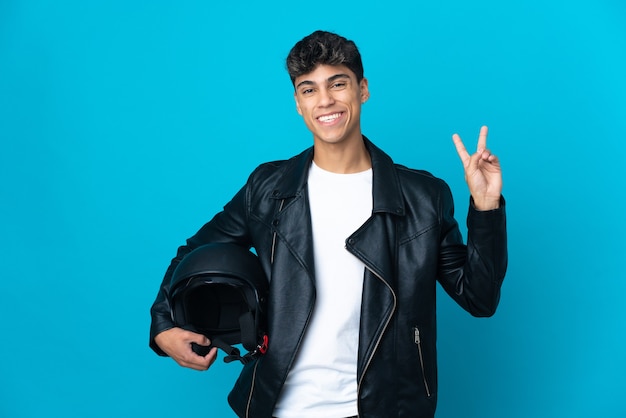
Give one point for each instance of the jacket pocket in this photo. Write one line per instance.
(417, 339)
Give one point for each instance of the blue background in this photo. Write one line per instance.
(125, 125)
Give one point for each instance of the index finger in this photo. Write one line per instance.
(482, 138)
(460, 148)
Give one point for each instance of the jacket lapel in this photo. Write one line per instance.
(292, 223)
(373, 245)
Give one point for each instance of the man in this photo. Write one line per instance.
(353, 245)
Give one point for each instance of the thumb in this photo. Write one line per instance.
(200, 339)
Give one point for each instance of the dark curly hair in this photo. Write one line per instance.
(325, 48)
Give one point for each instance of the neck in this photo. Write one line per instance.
(342, 158)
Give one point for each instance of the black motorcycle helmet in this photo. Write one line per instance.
(220, 290)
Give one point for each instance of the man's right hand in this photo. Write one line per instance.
(176, 343)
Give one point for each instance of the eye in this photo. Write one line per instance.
(339, 85)
(306, 92)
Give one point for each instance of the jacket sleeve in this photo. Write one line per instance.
(229, 225)
(472, 274)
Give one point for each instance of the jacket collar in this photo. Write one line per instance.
(387, 196)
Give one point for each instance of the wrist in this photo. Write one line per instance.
(486, 203)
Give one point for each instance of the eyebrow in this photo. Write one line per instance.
(329, 80)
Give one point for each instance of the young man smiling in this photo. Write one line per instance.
(353, 246)
(329, 99)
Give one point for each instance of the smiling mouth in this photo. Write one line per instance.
(329, 118)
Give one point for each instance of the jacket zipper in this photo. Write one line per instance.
(280, 208)
(369, 360)
(251, 390)
(418, 342)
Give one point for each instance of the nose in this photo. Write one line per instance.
(325, 98)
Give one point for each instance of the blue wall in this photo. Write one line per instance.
(125, 125)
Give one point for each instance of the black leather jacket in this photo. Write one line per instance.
(410, 242)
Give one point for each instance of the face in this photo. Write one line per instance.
(329, 100)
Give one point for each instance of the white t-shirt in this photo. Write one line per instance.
(322, 382)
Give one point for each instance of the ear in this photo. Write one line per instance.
(295, 96)
(365, 92)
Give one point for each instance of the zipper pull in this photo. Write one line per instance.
(416, 335)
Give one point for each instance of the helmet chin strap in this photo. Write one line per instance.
(249, 340)
(233, 353)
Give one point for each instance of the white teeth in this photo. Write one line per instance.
(329, 118)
